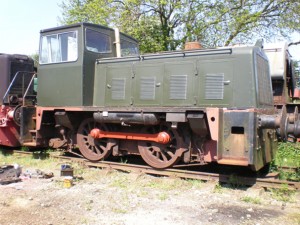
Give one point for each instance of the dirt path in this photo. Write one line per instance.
(118, 198)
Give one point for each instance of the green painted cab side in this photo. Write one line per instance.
(61, 83)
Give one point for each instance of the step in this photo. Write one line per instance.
(30, 96)
(30, 144)
(232, 161)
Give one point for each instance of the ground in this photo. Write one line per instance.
(111, 197)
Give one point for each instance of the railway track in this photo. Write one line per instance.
(268, 181)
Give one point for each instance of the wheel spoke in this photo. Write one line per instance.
(159, 155)
(171, 154)
(102, 148)
(164, 157)
(97, 150)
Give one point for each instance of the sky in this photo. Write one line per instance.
(22, 20)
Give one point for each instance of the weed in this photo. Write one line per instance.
(24, 149)
(218, 188)
(166, 184)
(195, 183)
(163, 196)
(286, 175)
(84, 221)
(89, 174)
(234, 181)
(119, 210)
(88, 205)
(142, 193)
(120, 182)
(249, 199)
(283, 194)
(288, 154)
(123, 160)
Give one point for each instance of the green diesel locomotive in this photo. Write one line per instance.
(96, 93)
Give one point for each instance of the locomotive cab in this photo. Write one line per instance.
(67, 61)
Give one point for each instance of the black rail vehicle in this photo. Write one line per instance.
(96, 93)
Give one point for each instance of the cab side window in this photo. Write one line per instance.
(58, 48)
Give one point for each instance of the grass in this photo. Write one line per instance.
(120, 181)
(163, 196)
(42, 161)
(283, 194)
(253, 200)
(119, 210)
(165, 184)
(195, 183)
(28, 161)
(288, 155)
(218, 188)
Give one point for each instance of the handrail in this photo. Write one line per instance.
(12, 82)
(24, 96)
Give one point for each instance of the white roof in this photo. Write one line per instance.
(277, 54)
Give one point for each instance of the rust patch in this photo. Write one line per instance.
(235, 144)
(40, 110)
(213, 122)
(210, 151)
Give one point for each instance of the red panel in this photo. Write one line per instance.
(297, 93)
(9, 136)
(9, 131)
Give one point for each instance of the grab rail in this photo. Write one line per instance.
(25, 94)
(13, 81)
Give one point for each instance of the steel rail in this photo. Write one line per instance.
(267, 182)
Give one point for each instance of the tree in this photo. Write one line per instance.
(162, 25)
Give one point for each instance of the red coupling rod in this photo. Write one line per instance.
(161, 137)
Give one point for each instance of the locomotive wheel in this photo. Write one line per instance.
(17, 115)
(90, 148)
(158, 155)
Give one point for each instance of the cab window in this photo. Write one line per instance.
(128, 48)
(56, 48)
(97, 42)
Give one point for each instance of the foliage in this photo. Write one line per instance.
(162, 25)
(289, 175)
(288, 154)
(35, 58)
